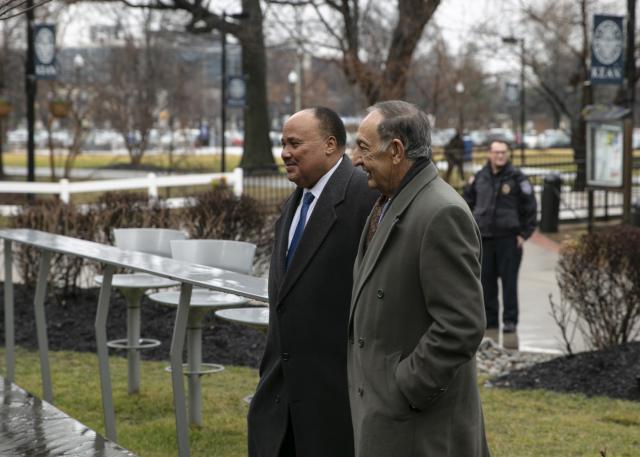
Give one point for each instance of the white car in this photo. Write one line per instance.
(104, 140)
(554, 138)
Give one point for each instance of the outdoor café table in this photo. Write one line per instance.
(187, 274)
(133, 286)
(256, 317)
(253, 317)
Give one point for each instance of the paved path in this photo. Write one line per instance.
(537, 330)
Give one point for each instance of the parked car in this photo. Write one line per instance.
(502, 134)
(18, 138)
(234, 137)
(276, 138)
(531, 140)
(636, 138)
(104, 140)
(479, 137)
(181, 138)
(440, 137)
(554, 138)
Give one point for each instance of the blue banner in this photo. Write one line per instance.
(236, 89)
(607, 50)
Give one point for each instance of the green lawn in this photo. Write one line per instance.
(519, 423)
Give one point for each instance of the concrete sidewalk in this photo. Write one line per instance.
(537, 330)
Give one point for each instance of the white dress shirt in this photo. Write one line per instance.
(316, 190)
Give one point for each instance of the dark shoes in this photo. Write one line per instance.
(508, 327)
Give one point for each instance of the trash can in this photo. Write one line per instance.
(550, 204)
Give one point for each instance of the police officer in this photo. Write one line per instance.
(504, 206)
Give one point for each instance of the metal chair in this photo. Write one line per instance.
(133, 286)
(235, 256)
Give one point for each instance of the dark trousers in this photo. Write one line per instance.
(500, 259)
(451, 164)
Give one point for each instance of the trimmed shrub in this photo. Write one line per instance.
(128, 210)
(53, 216)
(219, 214)
(599, 279)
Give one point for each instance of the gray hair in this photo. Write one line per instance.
(406, 122)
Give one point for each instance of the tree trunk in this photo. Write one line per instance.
(257, 145)
(1, 148)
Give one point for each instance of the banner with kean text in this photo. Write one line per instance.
(607, 49)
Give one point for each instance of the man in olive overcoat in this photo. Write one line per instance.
(417, 315)
(301, 406)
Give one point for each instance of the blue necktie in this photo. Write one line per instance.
(297, 234)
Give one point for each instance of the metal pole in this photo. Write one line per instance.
(522, 103)
(629, 121)
(177, 381)
(223, 94)
(9, 334)
(30, 87)
(106, 391)
(41, 325)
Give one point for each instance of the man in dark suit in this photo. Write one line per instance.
(301, 406)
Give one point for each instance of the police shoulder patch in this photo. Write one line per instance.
(525, 187)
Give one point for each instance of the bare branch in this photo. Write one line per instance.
(327, 26)
(35, 5)
(548, 27)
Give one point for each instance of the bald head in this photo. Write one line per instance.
(311, 145)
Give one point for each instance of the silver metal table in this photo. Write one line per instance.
(257, 318)
(133, 286)
(188, 275)
(253, 317)
(202, 301)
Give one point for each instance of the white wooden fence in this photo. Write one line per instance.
(64, 188)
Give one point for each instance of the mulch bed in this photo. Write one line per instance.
(71, 327)
(612, 373)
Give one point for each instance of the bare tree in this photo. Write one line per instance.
(9, 66)
(563, 28)
(130, 99)
(248, 31)
(375, 53)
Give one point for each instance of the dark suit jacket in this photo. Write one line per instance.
(303, 370)
(417, 318)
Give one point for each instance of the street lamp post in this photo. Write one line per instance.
(78, 64)
(295, 99)
(223, 83)
(30, 87)
(460, 91)
(514, 40)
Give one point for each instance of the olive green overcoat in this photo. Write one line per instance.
(416, 320)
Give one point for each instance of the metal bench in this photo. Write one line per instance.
(33, 427)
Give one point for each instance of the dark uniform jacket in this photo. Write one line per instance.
(503, 204)
(417, 318)
(303, 370)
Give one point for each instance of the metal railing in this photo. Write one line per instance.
(538, 164)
